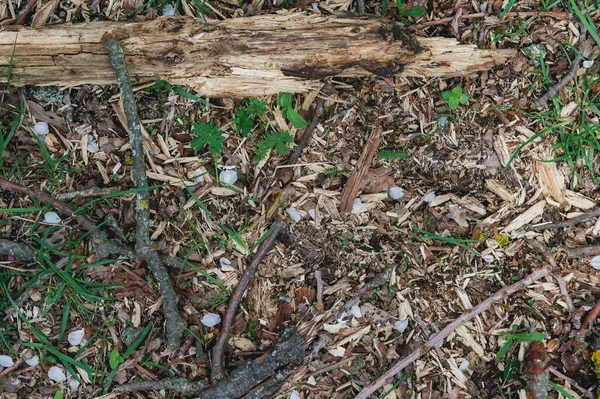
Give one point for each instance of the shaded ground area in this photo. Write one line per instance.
(477, 174)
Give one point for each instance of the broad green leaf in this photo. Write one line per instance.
(285, 100)
(529, 336)
(295, 118)
(414, 12)
(464, 98)
(504, 350)
(114, 359)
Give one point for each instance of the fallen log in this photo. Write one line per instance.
(239, 57)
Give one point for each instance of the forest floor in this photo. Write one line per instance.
(448, 214)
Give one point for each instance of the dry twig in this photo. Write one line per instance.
(567, 223)
(443, 21)
(439, 338)
(174, 323)
(587, 322)
(218, 371)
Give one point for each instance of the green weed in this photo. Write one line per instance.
(277, 141)
(455, 97)
(513, 336)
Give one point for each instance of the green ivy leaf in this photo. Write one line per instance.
(277, 141)
(207, 134)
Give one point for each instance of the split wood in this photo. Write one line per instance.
(450, 328)
(352, 186)
(238, 57)
(443, 21)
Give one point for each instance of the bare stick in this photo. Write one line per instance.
(443, 21)
(90, 192)
(590, 318)
(319, 278)
(581, 252)
(571, 381)
(285, 174)
(218, 372)
(568, 222)
(17, 250)
(23, 16)
(450, 328)
(352, 186)
(174, 323)
(241, 380)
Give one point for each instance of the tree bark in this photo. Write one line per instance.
(241, 57)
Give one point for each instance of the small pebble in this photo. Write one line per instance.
(76, 336)
(357, 205)
(211, 319)
(51, 218)
(396, 193)
(401, 325)
(56, 374)
(41, 128)
(294, 214)
(228, 176)
(168, 11)
(429, 197)
(6, 361)
(595, 262)
(33, 361)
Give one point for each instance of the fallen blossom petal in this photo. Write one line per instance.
(356, 312)
(168, 11)
(595, 262)
(76, 336)
(396, 193)
(52, 218)
(199, 176)
(357, 205)
(56, 374)
(587, 64)
(225, 265)
(211, 319)
(294, 214)
(73, 383)
(228, 176)
(488, 258)
(93, 147)
(33, 361)
(6, 361)
(464, 366)
(41, 128)
(429, 197)
(312, 214)
(294, 395)
(401, 325)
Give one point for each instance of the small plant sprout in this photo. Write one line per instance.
(455, 97)
(277, 141)
(207, 134)
(404, 12)
(520, 337)
(285, 103)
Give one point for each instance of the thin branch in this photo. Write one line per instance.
(182, 385)
(568, 222)
(581, 252)
(174, 323)
(218, 372)
(443, 21)
(23, 16)
(590, 318)
(571, 381)
(17, 250)
(90, 192)
(450, 328)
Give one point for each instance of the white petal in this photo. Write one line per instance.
(488, 258)
(41, 128)
(587, 64)
(168, 11)
(76, 336)
(401, 325)
(56, 374)
(73, 383)
(294, 395)
(6, 361)
(464, 366)
(595, 262)
(199, 176)
(357, 205)
(356, 312)
(226, 265)
(33, 360)
(294, 214)
(396, 193)
(429, 197)
(93, 147)
(52, 218)
(228, 176)
(312, 214)
(211, 319)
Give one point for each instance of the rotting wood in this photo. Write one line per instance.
(352, 186)
(239, 57)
